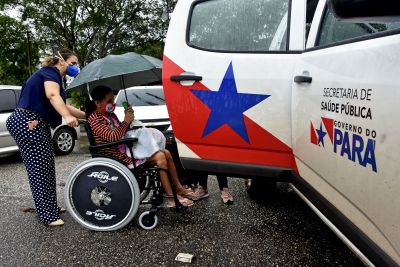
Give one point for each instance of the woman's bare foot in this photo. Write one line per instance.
(183, 200)
(187, 193)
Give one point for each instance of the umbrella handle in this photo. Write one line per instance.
(126, 105)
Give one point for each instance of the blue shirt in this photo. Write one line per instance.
(33, 96)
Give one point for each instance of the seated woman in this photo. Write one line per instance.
(107, 128)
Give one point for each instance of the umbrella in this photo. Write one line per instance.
(118, 72)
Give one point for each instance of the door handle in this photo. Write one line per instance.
(302, 79)
(180, 78)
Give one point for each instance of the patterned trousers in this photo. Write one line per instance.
(37, 153)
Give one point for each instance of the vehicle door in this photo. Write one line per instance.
(227, 71)
(345, 127)
(7, 105)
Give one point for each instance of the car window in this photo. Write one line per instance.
(310, 12)
(7, 100)
(238, 26)
(142, 97)
(17, 95)
(334, 31)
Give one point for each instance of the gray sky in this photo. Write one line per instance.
(11, 13)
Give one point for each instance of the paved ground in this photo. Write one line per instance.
(283, 232)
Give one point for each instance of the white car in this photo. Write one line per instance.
(64, 137)
(148, 103)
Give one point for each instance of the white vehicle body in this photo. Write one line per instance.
(324, 108)
(152, 112)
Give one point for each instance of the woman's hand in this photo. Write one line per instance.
(76, 112)
(71, 121)
(129, 115)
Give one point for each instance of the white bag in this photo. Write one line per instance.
(150, 141)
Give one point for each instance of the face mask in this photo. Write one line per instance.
(108, 107)
(72, 70)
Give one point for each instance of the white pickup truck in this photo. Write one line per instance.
(283, 89)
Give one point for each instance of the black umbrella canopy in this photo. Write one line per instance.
(118, 72)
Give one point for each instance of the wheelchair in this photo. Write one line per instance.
(102, 194)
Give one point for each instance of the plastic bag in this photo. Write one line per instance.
(150, 141)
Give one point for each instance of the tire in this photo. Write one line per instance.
(148, 221)
(63, 142)
(260, 188)
(102, 194)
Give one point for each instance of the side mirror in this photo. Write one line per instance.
(365, 10)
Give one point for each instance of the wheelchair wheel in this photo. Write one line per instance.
(147, 220)
(102, 194)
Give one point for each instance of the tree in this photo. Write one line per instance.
(14, 66)
(93, 28)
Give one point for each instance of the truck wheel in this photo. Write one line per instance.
(260, 188)
(63, 141)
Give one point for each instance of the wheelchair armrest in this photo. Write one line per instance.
(128, 141)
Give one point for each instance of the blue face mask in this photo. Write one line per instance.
(72, 70)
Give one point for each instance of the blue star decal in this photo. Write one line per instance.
(321, 135)
(227, 105)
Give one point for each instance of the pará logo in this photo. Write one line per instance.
(349, 141)
(103, 177)
(100, 215)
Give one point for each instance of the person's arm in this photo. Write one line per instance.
(52, 90)
(76, 112)
(100, 128)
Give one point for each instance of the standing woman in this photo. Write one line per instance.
(42, 105)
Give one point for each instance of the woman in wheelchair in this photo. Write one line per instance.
(107, 128)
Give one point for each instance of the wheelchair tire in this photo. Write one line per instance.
(147, 220)
(102, 194)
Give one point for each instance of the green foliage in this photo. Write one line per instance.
(91, 28)
(78, 99)
(14, 52)
(94, 28)
(151, 48)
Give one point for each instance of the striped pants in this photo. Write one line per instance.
(37, 153)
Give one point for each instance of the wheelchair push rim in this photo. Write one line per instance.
(102, 194)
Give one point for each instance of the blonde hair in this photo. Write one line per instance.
(53, 60)
(49, 61)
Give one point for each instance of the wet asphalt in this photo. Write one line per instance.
(281, 231)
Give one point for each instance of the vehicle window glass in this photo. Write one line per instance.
(7, 101)
(239, 26)
(334, 31)
(142, 97)
(17, 94)
(311, 8)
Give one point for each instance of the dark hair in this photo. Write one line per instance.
(99, 93)
(53, 60)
